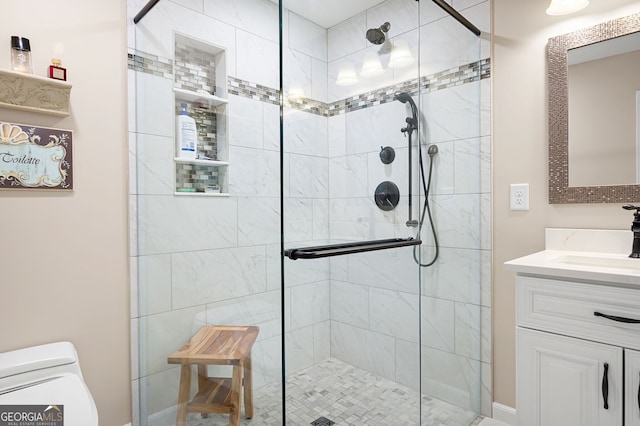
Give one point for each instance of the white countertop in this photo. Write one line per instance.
(581, 265)
(583, 254)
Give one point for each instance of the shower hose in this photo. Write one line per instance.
(426, 209)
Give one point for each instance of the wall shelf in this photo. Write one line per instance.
(200, 97)
(27, 92)
(203, 194)
(199, 70)
(201, 162)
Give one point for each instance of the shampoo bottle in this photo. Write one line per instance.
(186, 135)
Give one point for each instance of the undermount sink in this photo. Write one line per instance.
(601, 261)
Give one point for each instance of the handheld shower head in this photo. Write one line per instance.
(404, 97)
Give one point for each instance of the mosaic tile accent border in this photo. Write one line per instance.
(150, 64)
(559, 190)
(374, 97)
(463, 74)
(253, 91)
(308, 105)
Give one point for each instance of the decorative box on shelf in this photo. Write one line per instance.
(27, 92)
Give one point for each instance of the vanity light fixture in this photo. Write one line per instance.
(401, 54)
(296, 93)
(401, 57)
(371, 66)
(564, 7)
(347, 75)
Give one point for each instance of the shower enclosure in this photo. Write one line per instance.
(341, 145)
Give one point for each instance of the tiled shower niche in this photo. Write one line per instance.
(200, 81)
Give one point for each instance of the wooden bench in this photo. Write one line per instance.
(216, 345)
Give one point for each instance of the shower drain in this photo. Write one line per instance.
(322, 421)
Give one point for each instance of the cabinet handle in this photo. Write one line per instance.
(639, 396)
(605, 386)
(618, 319)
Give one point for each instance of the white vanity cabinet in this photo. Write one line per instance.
(560, 379)
(632, 388)
(575, 367)
(578, 330)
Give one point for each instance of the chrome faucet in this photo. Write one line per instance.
(635, 228)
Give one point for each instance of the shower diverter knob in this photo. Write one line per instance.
(387, 154)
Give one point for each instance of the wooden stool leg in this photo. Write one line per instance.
(202, 382)
(236, 388)
(183, 394)
(248, 387)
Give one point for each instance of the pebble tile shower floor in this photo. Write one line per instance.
(345, 395)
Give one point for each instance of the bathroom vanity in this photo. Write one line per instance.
(578, 331)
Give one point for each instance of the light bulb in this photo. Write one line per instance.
(296, 93)
(347, 75)
(371, 66)
(401, 54)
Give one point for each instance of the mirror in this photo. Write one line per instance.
(604, 88)
(587, 69)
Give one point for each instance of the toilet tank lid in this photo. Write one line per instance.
(37, 358)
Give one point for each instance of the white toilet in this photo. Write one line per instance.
(47, 375)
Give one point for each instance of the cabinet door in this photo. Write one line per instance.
(632, 387)
(561, 381)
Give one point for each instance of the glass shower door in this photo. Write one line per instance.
(352, 316)
(455, 290)
(205, 231)
(323, 150)
(381, 112)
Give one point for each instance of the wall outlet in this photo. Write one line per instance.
(519, 196)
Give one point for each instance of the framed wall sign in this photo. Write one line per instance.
(35, 157)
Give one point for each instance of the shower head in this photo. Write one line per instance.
(432, 150)
(378, 35)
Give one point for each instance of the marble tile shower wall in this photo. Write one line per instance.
(202, 260)
(375, 297)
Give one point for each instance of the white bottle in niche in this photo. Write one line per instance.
(186, 135)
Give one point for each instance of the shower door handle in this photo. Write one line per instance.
(329, 250)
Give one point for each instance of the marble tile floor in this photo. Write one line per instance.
(345, 395)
